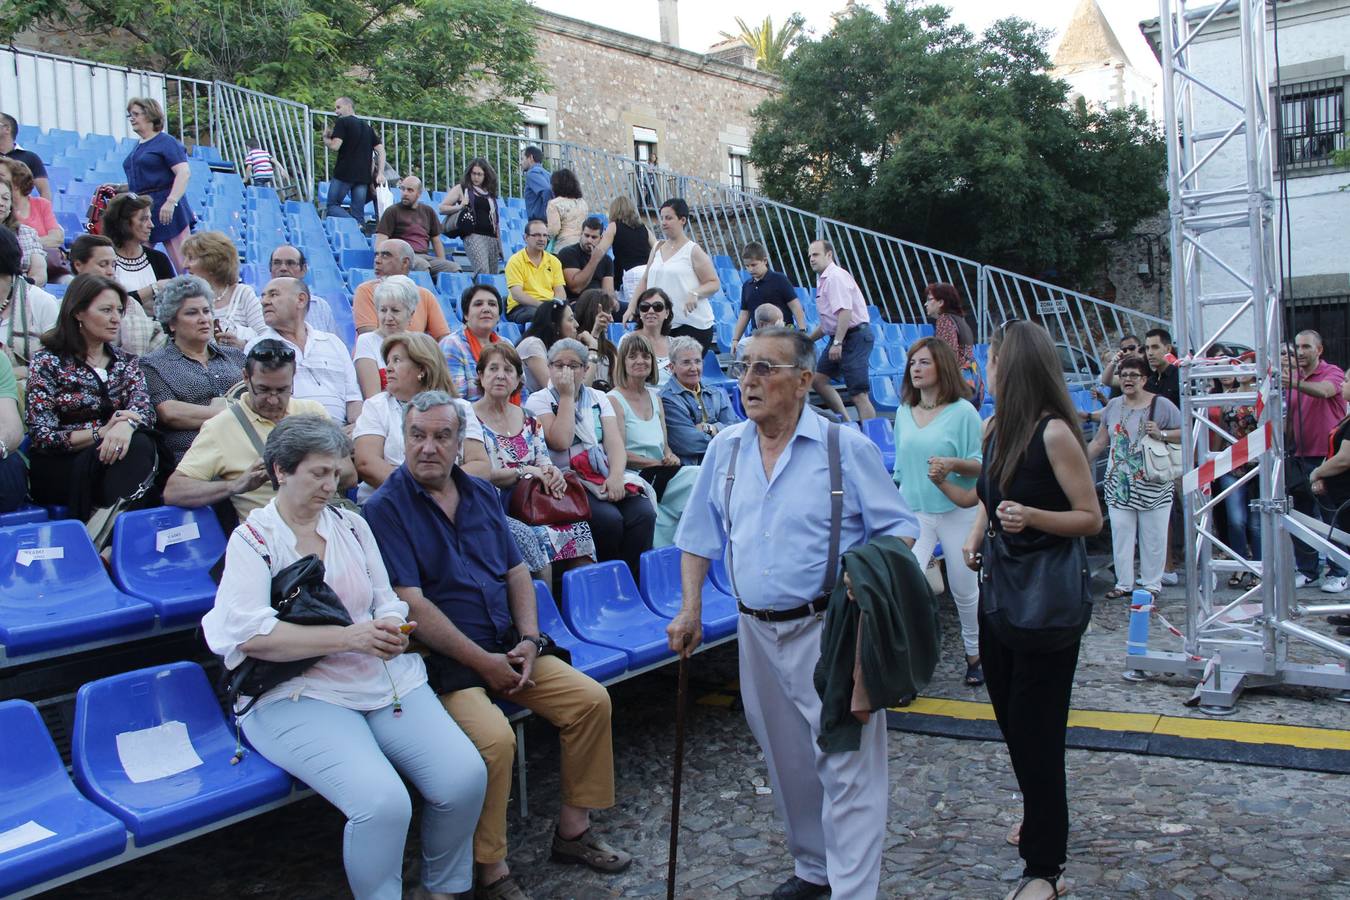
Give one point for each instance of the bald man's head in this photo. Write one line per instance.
(410, 191)
(393, 257)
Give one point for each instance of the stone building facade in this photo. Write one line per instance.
(647, 100)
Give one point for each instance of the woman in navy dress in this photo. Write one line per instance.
(158, 169)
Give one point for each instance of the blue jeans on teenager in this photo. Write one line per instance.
(1244, 526)
(338, 191)
(353, 758)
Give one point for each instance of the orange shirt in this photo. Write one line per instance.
(428, 316)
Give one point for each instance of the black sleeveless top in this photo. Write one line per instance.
(482, 214)
(1033, 484)
(631, 249)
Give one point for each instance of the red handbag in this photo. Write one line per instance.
(533, 505)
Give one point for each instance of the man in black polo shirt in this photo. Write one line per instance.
(585, 264)
(1163, 378)
(9, 135)
(765, 286)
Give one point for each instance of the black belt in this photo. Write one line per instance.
(854, 328)
(786, 615)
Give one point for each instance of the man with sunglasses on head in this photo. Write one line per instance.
(1130, 345)
(533, 275)
(225, 460)
(765, 504)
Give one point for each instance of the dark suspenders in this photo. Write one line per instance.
(836, 508)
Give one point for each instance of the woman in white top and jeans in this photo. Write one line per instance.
(363, 713)
(680, 268)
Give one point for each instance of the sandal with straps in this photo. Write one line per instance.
(1058, 887)
(1117, 593)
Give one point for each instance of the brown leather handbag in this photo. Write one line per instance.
(533, 505)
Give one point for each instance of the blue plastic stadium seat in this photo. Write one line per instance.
(497, 280)
(723, 262)
(880, 362)
(724, 332)
(601, 663)
(602, 605)
(882, 433)
(616, 332)
(911, 332)
(54, 591)
(509, 330)
(515, 203)
(23, 515)
(421, 279)
(175, 579)
(883, 393)
(712, 371)
(733, 390)
(453, 284)
(356, 259)
(35, 790)
(162, 807)
(720, 579)
(661, 589)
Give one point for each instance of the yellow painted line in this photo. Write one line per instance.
(1150, 723)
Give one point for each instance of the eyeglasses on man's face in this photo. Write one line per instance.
(575, 367)
(758, 368)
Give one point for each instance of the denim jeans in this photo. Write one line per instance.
(338, 191)
(1244, 526)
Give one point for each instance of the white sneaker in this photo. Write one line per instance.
(1301, 580)
(1170, 578)
(1333, 584)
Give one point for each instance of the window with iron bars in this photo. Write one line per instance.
(736, 169)
(1312, 123)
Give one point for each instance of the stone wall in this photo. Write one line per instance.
(606, 83)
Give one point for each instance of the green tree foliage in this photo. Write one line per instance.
(456, 62)
(906, 123)
(771, 45)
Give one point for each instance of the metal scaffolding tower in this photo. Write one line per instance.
(1226, 280)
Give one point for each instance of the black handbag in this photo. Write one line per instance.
(301, 597)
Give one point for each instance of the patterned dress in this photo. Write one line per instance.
(542, 543)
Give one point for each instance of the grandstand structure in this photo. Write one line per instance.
(88, 655)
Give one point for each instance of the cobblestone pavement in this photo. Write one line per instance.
(1141, 826)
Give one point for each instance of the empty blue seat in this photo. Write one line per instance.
(601, 663)
(164, 556)
(616, 332)
(712, 372)
(421, 279)
(663, 593)
(733, 390)
(509, 330)
(23, 515)
(453, 284)
(177, 745)
(882, 433)
(883, 394)
(68, 832)
(724, 331)
(880, 362)
(499, 281)
(356, 259)
(911, 332)
(54, 591)
(602, 605)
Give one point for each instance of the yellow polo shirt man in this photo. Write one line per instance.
(223, 451)
(542, 282)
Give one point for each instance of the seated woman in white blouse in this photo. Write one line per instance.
(395, 301)
(413, 364)
(363, 713)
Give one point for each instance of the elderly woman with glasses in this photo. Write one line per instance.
(396, 300)
(157, 168)
(695, 412)
(362, 717)
(1138, 508)
(189, 377)
(583, 435)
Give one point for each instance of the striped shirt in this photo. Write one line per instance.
(259, 162)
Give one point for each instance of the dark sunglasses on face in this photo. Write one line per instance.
(652, 306)
(1130, 348)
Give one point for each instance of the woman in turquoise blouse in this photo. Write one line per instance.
(937, 438)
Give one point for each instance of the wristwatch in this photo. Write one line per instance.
(540, 641)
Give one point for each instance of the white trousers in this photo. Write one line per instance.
(833, 804)
(951, 530)
(1147, 528)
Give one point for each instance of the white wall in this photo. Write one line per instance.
(53, 92)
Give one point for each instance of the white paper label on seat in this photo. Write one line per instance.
(157, 752)
(180, 535)
(29, 555)
(29, 832)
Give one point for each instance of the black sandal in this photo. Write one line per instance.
(974, 674)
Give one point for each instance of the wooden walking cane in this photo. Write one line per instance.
(679, 769)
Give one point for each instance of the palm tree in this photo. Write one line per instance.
(771, 47)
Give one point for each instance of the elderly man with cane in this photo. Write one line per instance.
(772, 497)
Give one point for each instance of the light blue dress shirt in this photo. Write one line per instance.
(781, 525)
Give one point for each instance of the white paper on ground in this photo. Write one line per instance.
(29, 555)
(157, 752)
(180, 535)
(29, 832)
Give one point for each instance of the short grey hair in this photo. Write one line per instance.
(402, 247)
(568, 345)
(178, 291)
(400, 288)
(681, 343)
(298, 436)
(432, 400)
(803, 349)
(767, 314)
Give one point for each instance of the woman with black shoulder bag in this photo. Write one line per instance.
(1034, 596)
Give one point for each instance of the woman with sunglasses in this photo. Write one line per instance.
(654, 314)
(1138, 508)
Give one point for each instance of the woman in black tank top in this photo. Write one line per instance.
(1038, 486)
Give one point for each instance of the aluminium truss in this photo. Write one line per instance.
(1225, 280)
